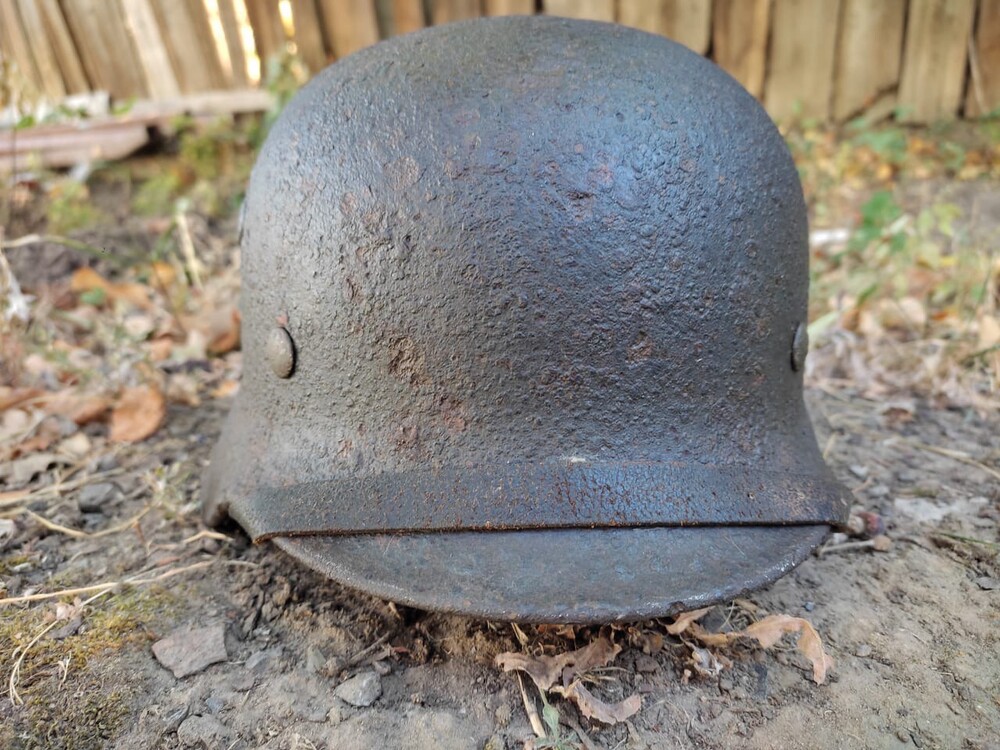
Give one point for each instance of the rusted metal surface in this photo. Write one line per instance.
(543, 277)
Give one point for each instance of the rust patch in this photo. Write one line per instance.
(640, 350)
(406, 362)
(402, 173)
(453, 413)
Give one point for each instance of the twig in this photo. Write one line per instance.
(573, 724)
(15, 672)
(529, 708)
(37, 239)
(365, 652)
(77, 534)
(107, 585)
(206, 534)
(967, 539)
(187, 248)
(954, 455)
(57, 487)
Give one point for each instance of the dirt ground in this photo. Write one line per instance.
(912, 630)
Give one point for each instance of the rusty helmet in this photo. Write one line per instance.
(524, 306)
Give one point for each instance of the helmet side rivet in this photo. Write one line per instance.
(800, 347)
(281, 352)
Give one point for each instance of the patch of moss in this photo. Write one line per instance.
(67, 703)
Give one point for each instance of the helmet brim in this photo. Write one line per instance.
(562, 575)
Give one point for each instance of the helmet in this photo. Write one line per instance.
(523, 306)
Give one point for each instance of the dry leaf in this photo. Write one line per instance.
(684, 620)
(594, 708)
(138, 414)
(228, 338)
(14, 396)
(82, 409)
(545, 671)
(86, 279)
(769, 631)
(226, 388)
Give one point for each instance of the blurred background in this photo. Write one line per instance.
(917, 60)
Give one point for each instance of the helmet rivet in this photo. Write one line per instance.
(800, 347)
(281, 352)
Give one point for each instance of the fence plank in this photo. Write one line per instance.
(739, 40)
(268, 32)
(190, 44)
(46, 64)
(16, 48)
(509, 7)
(309, 34)
(234, 44)
(800, 67)
(349, 25)
(445, 11)
(868, 56)
(936, 50)
(151, 49)
(983, 94)
(68, 58)
(106, 48)
(686, 21)
(400, 16)
(595, 10)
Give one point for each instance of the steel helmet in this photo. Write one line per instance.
(524, 306)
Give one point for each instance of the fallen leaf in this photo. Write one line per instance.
(138, 414)
(545, 671)
(81, 408)
(12, 497)
(86, 279)
(684, 620)
(226, 388)
(183, 389)
(227, 339)
(769, 631)
(10, 397)
(594, 708)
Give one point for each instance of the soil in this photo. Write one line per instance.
(912, 631)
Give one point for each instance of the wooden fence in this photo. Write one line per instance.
(922, 60)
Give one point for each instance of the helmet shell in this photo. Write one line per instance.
(526, 283)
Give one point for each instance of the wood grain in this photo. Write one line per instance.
(349, 25)
(151, 49)
(739, 40)
(936, 51)
(983, 91)
(869, 52)
(107, 49)
(594, 10)
(801, 61)
(686, 21)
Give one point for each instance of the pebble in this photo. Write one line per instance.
(726, 685)
(986, 583)
(315, 659)
(187, 652)
(863, 651)
(94, 497)
(204, 732)
(362, 690)
(264, 661)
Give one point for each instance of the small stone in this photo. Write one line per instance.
(646, 664)
(863, 651)
(495, 742)
(187, 652)
(203, 732)
(987, 583)
(315, 659)
(809, 606)
(335, 715)
(861, 472)
(903, 736)
(361, 690)
(173, 718)
(94, 497)
(726, 685)
(264, 661)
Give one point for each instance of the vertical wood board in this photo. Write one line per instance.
(46, 64)
(234, 44)
(106, 47)
(869, 52)
(740, 30)
(349, 25)
(983, 95)
(936, 51)
(801, 60)
(593, 10)
(152, 51)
